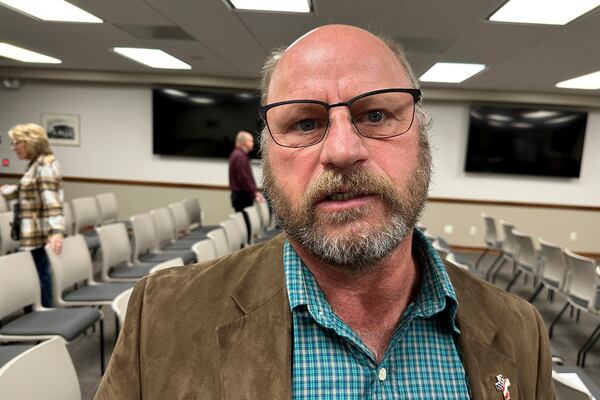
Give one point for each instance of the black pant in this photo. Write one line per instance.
(42, 265)
(239, 201)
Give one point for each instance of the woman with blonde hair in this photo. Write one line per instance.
(39, 200)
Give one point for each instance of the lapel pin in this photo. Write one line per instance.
(502, 385)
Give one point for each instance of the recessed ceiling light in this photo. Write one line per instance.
(52, 10)
(295, 6)
(152, 57)
(20, 54)
(556, 12)
(589, 82)
(451, 72)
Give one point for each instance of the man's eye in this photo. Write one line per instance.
(375, 116)
(306, 125)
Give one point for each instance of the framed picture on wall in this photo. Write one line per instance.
(63, 129)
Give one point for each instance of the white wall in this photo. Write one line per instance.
(116, 142)
(116, 133)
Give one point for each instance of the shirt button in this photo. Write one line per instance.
(382, 374)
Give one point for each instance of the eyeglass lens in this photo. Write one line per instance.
(378, 116)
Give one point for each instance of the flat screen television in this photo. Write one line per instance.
(525, 140)
(203, 122)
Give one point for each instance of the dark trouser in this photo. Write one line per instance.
(43, 268)
(239, 201)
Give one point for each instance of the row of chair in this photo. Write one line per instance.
(574, 277)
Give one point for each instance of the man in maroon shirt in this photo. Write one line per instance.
(241, 180)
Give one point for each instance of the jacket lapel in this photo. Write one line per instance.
(255, 349)
(484, 358)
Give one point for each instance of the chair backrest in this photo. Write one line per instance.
(7, 244)
(264, 213)
(582, 281)
(115, 245)
(554, 265)
(68, 213)
(508, 245)
(524, 251)
(19, 283)
(3, 204)
(255, 225)
(204, 250)
(85, 213)
(145, 239)
(490, 236)
(43, 372)
(108, 207)
(173, 262)
(73, 265)
(566, 389)
(165, 228)
(180, 217)
(233, 236)
(220, 241)
(194, 212)
(238, 218)
(119, 305)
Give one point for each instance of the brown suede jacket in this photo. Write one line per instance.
(223, 330)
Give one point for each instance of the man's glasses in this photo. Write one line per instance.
(379, 114)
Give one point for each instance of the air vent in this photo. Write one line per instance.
(156, 32)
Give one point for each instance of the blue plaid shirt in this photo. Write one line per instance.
(330, 361)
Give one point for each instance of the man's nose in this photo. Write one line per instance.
(343, 146)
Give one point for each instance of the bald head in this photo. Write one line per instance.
(336, 41)
(244, 141)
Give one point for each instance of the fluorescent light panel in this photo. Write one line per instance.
(20, 54)
(152, 57)
(52, 10)
(451, 72)
(589, 82)
(295, 6)
(555, 12)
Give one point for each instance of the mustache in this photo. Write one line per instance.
(357, 181)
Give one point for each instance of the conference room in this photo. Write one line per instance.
(141, 102)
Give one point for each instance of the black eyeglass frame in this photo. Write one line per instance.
(415, 93)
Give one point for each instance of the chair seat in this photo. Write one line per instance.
(65, 322)
(205, 228)
(91, 240)
(10, 351)
(188, 257)
(584, 303)
(179, 245)
(101, 292)
(134, 271)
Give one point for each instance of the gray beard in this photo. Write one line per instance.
(369, 242)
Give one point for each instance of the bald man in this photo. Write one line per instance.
(241, 180)
(351, 302)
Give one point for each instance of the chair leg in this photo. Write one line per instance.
(557, 319)
(587, 346)
(490, 270)
(481, 257)
(498, 268)
(535, 293)
(513, 280)
(101, 347)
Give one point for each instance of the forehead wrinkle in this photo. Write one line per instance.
(337, 55)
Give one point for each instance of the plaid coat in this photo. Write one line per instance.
(41, 201)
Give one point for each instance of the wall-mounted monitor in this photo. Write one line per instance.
(203, 122)
(525, 140)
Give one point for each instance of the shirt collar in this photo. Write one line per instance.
(435, 296)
